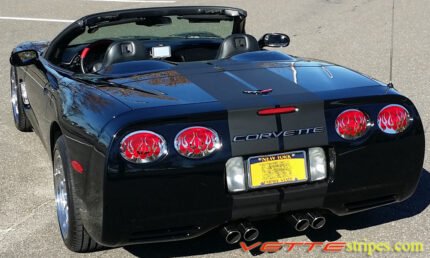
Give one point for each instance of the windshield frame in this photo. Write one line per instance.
(182, 27)
(58, 44)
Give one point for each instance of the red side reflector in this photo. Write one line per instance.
(77, 167)
(275, 111)
(84, 52)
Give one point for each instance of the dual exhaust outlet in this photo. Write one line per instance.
(302, 221)
(233, 233)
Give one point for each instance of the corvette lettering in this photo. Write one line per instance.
(271, 135)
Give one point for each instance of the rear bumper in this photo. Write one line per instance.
(126, 223)
(177, 205)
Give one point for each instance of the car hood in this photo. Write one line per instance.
(237, 84)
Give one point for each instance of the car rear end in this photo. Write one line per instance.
(178, 197)
(177, 171)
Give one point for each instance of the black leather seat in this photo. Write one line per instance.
(124, 51)
(237, 44)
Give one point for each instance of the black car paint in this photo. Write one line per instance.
(125, 203)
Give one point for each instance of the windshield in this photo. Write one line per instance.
(160, 27)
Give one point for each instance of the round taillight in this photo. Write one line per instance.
(143, 147)
(197, 142)
(393, 119)
(352, 124)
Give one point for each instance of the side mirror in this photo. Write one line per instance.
(23, 58)
(274, 40)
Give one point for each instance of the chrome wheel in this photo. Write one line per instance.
(14, 94)
(61, 200)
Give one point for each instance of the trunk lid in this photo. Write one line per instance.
(305, 85)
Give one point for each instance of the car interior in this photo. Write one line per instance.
(101, 54)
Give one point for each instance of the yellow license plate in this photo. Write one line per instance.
(277, 169)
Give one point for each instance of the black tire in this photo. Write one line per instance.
(75, 236)
(18, 109)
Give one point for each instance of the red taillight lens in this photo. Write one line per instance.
(393, 119)
(351, 124)
(143, 147)
(197, 142)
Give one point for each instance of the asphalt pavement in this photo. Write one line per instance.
(355, 33)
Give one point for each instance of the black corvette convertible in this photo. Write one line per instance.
(166, 123)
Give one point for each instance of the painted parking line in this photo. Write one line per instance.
(137, 1)
(34, 19)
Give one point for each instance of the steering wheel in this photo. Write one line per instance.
(93, 54)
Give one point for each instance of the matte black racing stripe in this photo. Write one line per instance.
(261, 78)
(251, 87)
(279, 126)
(285, 93)
(311, 107)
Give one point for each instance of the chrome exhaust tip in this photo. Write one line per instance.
(317, 220)
(249, 232)
(299, 221)
(231, 234)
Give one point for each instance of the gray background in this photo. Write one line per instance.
(353, 33)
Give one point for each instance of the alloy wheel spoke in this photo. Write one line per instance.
(61, 195)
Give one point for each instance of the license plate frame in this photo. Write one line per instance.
(249, 173)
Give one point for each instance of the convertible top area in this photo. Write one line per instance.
(59, 43)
